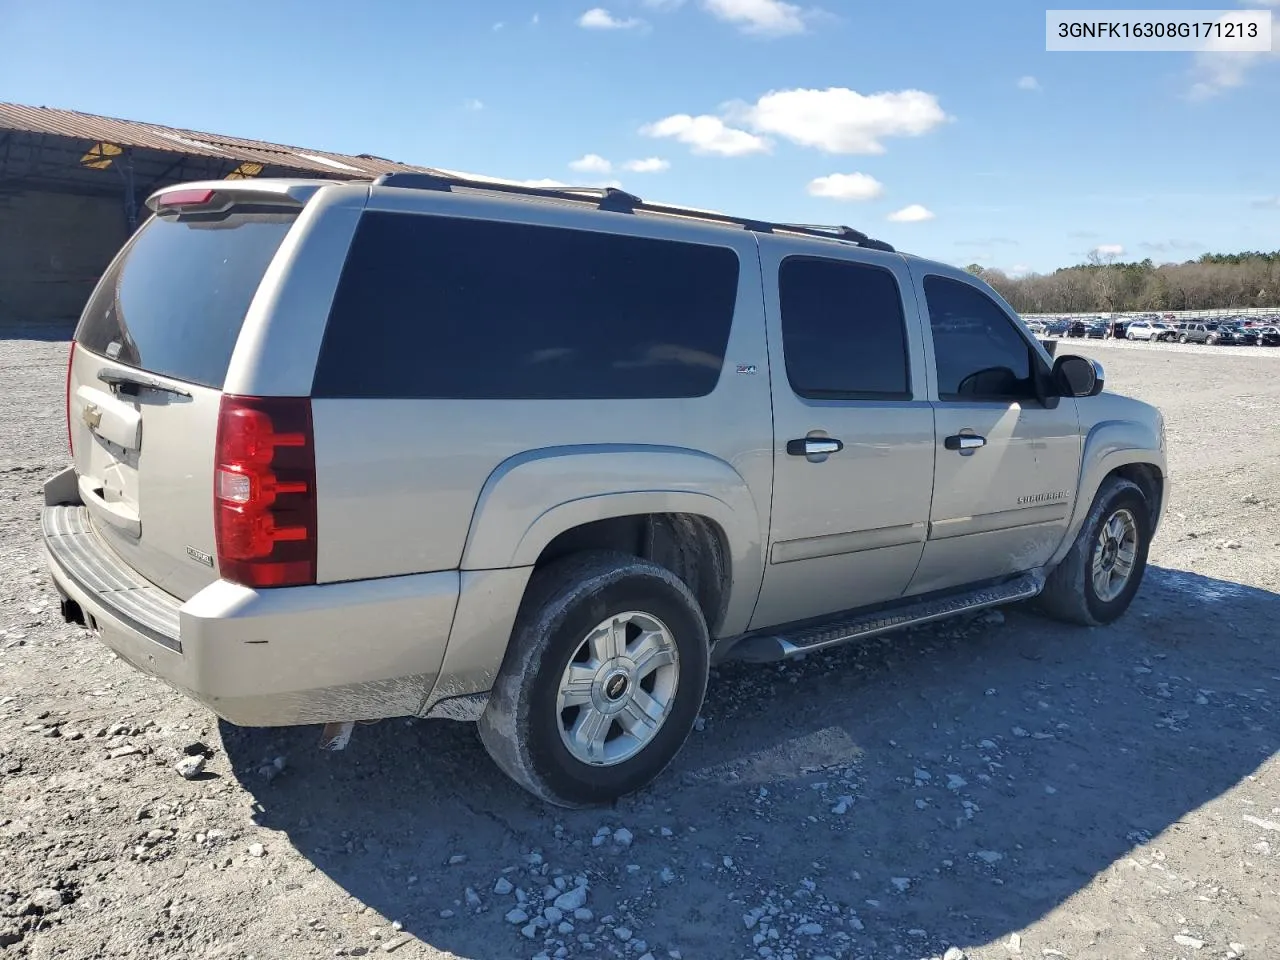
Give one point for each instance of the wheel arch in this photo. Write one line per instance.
(1128, 448)
(684, 509)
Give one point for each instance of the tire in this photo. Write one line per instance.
(567, 602)
(1071, 592)
(1129, 336)
(1183, 338)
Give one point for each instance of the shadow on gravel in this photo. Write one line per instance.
(997, 767)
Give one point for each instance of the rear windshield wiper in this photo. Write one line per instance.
(122, 378)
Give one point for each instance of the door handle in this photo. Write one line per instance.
(964, 441)
(814, 446)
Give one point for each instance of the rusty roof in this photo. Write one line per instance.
(152, 136)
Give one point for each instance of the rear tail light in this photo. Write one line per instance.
(71, 356)
(264, 491)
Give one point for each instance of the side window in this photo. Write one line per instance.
(843, 331)
(442, 307)
(978, 352)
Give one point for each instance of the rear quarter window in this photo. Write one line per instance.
(440, 307)
(173, 303)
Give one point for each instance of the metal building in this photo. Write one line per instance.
(72, 188)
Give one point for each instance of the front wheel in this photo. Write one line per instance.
(1099, 577)
(602, 681)
(1183, 338)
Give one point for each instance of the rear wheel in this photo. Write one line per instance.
(602, 681)
(1099, 577)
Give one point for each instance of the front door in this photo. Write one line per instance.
(853, 431)
(1008, 462)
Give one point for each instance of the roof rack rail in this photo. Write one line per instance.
(619, 201)
(610, 198)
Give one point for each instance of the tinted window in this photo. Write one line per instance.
(979, 354)
(440, 307)
(174, 304)
(842, 330)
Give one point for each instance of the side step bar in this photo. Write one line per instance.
(779, 644)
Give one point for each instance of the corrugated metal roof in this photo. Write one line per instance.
(151, 136)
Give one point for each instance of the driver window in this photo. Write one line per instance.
(978, 352)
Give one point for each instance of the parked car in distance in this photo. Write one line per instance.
(1098, 330)
(1077, 328)
(1115, 329)
(1193, 333)
(1226, 335)
(1152, 330)
(546, 484)
(1268, 336)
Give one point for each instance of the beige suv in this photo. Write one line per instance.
(428, 446)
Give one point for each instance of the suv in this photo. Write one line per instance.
(538, 458)
(1152, 330)
(1194, 333)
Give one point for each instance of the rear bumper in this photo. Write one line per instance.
(343, 651)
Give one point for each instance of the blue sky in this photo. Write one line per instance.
(846, 112)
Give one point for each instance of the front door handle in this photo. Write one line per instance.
(964, 441)
(814, 446)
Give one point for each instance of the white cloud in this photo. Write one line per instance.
(1019, 270)
(473, 104)
(498, 26)
(598, 18)
(911, 214)
(1108, 250)
(663, 4)
(1267, 203)
(536, 19)
(1028, 83)
(840, 120)
(591, 163)
(707, 135)
(1216, 69)
(846, 186)
(770, 18)
(647, 165)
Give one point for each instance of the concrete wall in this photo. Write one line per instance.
(53, 248)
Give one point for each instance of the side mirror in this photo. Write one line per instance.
(1077, 376)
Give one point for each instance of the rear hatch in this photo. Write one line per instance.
(145, 378)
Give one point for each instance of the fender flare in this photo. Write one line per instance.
(532, 498)
(1110, 444)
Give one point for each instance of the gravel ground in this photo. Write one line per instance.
(997, 788)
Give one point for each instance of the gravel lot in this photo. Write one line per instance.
(999, 788)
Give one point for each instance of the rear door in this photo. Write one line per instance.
(853, 431)
(1007, 463)
(151, 353)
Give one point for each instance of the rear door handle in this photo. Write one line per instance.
(964, 441)
(814, 446)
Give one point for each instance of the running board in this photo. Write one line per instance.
(778, 645)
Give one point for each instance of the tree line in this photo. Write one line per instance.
(1214, 281)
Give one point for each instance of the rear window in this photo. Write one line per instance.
(175, 302)
(440, 307)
